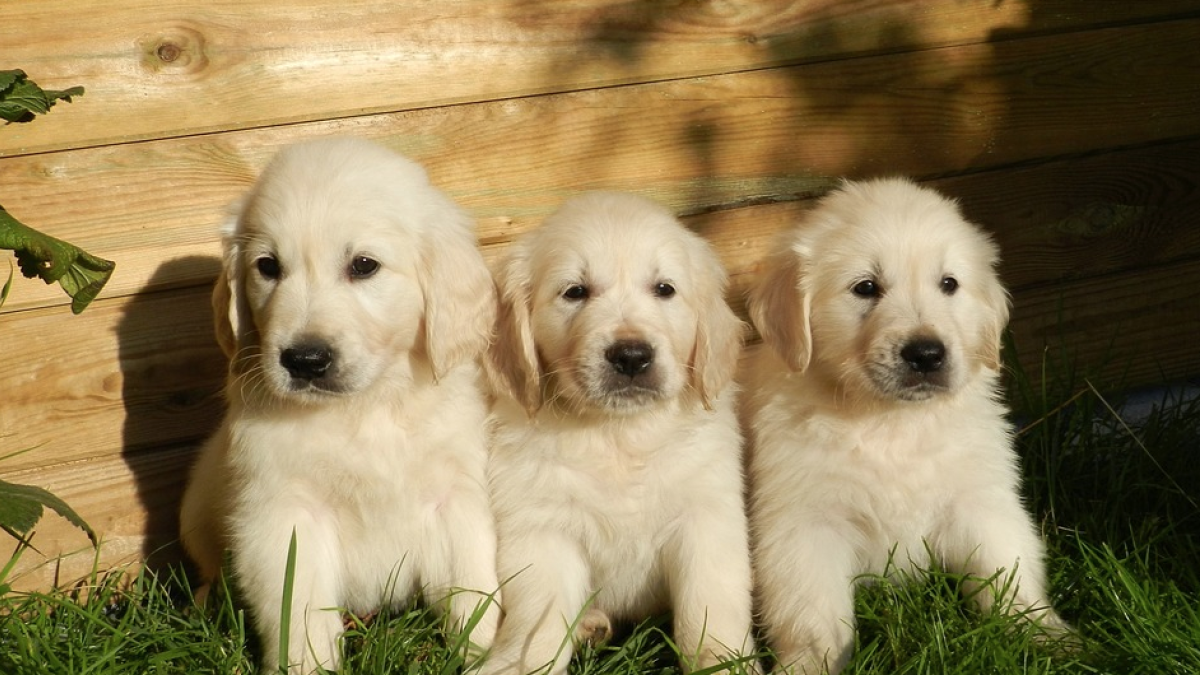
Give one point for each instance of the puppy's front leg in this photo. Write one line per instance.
(462, 578)
(202, 510)
(260, 562)
(996, 534)
(545, 586)
(708, 570)
(805, 581)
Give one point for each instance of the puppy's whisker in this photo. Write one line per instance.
(557, 373)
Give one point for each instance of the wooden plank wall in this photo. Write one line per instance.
(1070, 128)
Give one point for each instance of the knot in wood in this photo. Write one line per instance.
(168, 52)
(179, 50)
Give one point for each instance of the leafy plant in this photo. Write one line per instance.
(80, 273)
(21, 99)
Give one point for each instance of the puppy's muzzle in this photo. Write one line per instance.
(630, 357)
(627, 378)
(307, 361)
(924, 355)
(923, 368)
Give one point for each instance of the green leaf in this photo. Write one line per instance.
(7, 286)
(80, 273)
(21, 508)
(8, 78)
(21, 99)
(16, 512)
(63, 94)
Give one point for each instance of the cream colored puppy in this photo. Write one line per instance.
(353, 305)
(616, 468)
(874, 417)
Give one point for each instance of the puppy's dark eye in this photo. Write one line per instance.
(867, 288)
(576, 292)
(664, 290)
(268, 267)
(362, 267)
(949, 285)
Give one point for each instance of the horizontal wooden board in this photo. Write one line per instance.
(698, 144)
(1088, 216)
(1056, 221)
(1128, 329)
(155, 69)
(123, 376)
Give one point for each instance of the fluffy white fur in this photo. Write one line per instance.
(354, 306)
(615, 470)
(875, 428)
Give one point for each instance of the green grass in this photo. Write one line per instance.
(1116, 498)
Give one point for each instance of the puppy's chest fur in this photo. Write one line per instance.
(352, 466)
(379, 468)
(893, 479)
(617, 490)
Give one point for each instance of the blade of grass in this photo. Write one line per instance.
(285, 610)
(1137, 440)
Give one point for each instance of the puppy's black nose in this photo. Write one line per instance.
(629, 357)
(307, 361)
(924, 355)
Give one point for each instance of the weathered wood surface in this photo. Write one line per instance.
(156, 69)
(1071, 129)
(696, 144)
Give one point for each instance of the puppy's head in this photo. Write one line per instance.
(341, 265)
(613, 306)
(886, 290)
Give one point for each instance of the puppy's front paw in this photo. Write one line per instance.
(594, 628)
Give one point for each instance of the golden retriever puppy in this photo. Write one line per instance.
(876, 432)
(354, 306)
(615, 471)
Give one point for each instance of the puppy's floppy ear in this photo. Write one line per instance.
(460, 299)
(231, 316)
(780, 309)
(512, 364)
(718, 334)
(997, 304)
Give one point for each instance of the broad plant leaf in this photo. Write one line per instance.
(80, 273)
(21, 507)
(21, 99)
(8, 78)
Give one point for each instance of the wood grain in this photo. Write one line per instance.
(697, 144)
(156, 70)
(126, 375)
(1128, 329)
(1088, 216)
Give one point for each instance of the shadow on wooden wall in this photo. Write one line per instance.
(170, 366)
